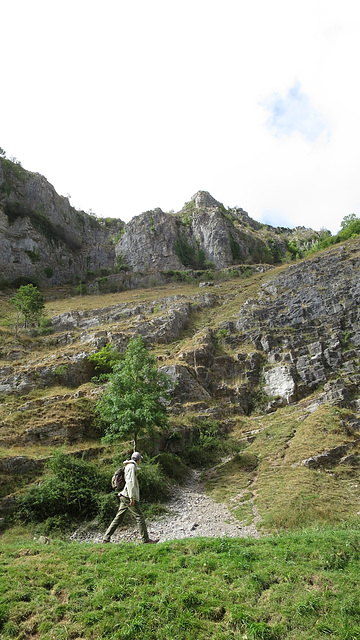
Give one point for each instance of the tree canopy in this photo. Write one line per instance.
(29, 303)
(350, 227)
(133, 402)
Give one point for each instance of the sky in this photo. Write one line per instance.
(126, 106)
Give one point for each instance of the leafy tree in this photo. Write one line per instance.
(348, 220)
(350, 227)
(133, 402)
(29, 303)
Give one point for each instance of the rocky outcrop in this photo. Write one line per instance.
(334, 456)
(306, 322)
(202, 234)
(158, 322)
(148, 243)
(185, 387)
(304, 328)
(19, 465)
(43, 238)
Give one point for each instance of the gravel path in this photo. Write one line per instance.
(191, 513)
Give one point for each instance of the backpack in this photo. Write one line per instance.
(118, 479)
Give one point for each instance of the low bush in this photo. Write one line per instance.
(206, 447)
(154, 486)
(107, 506)
(71, 490)
(76, 490)
(104, 361)
(172, 466)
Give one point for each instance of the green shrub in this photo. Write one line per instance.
(108, 504)
(81, 289)
(49, 272)
(235, 249)
(120, 264)
(274, 250)
(181, 276)
(104, 361)
(44, 327)
(33, 255)
(58, 524)
(4, 283)
(189, 255)
(23, 281)
(293, 250)
(154, 487)
(172, 466)
(71, 491)
(103, 284)
(206, 447)
(60, 370)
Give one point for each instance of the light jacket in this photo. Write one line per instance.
(131, 489)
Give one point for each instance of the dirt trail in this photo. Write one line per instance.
(191, 513)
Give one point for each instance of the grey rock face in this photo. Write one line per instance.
(19, 465)
(186, 387)
(149, 240)
(42, 237)
(333, 456)
(148, 243)
(304, 321)
(45, 239)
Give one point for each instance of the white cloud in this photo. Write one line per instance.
(294, 113)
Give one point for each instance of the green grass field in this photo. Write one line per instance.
(299, 585)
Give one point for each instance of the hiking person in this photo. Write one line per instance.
(130, 500)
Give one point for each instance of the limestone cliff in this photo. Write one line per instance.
(45, 240)
(203, 234)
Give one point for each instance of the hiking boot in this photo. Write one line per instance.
(151, 541)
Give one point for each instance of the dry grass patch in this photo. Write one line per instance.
(289, 494)
(31, 420)
(318, 432)
(231, 476)
(133, 296)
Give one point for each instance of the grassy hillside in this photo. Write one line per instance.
(298, 581)
(267, 450)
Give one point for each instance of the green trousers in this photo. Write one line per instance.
(135, 511)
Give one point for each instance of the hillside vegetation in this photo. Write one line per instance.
(265, 401)
(224, 346)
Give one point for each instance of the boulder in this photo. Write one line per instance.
(185, 387)
(279, 381)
